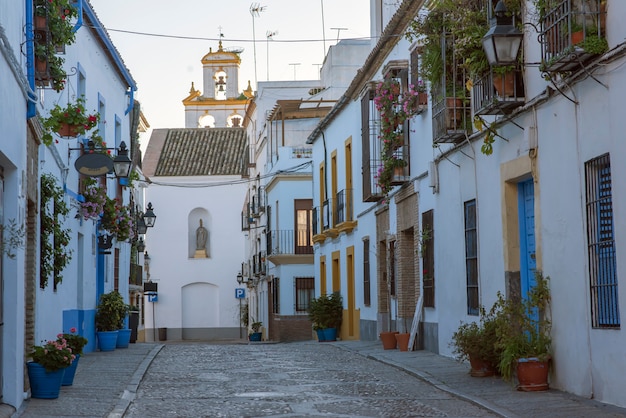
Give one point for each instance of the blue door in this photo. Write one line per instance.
(526, 209)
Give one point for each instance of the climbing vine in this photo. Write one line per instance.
(55, 255)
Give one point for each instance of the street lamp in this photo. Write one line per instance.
(121, 163)
(141, 245)
(149, 217)
(503, 40)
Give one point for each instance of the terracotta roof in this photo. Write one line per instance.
(197, 152)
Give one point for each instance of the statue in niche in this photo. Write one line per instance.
(202, 236)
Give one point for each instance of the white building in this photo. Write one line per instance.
(461, 225)
(278, 211)
(198, 179)
(41, 306)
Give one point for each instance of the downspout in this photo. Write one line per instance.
(131, 102)
(79, 22)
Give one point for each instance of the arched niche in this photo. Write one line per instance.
(220, 85)
(195, 218)
(206, 121)
(235, 121)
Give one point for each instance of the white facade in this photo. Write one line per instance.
(13, 197)
(95, 70)
(551, 141)
(196, 296)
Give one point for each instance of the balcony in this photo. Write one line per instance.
(345, 211)
(290, 247)
(572, 34)
(499, 92)
(259, 265)
(452, 119)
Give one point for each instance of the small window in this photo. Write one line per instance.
(428, 259)
(367, 296)
(471, 257)
(601, 244)
(305, 291)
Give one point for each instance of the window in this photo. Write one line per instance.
(367, 296)
(370, 158)
(304, 226)
(392, 268)
(428, 259)
(601, 244)
(275, 295)
(305, 291)
(118, 131)
(471, 257)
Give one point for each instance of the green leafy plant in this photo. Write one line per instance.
(54, 254)
(117, 219)
(55, 31)
(479, 340)
(74, 341)
(395, 107)
(53, 355)
(111, 312)
(11, 238)
(256, 326)
(523, 328)
(95, 198)
(326, 311)
(73, 114)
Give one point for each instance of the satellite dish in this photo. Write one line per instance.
(234, 49)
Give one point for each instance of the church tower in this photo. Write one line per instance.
(220, 105)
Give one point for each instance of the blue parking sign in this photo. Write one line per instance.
(240, 293)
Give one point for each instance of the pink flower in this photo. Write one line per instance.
(73, 330)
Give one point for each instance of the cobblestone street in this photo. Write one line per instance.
(297, 379)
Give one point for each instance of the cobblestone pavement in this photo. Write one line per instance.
(287, 380)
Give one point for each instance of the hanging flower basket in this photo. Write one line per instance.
(69, 121)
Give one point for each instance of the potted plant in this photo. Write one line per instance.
(117, 219)
(396, 106)
(108, 317)
(76, 343)
(53, 29)
(46, 370)
(326, 314)
(477, 342)
(523, 335)
(255, 331)
(94, 199)
(123, 332)
(68, 121)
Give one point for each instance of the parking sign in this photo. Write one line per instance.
(240, 293)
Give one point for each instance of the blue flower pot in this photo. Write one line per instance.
(320, 335)
(107, 340)
(330, 334)
(123, 338)
(70, 371)
(44, 384)
(256, 336)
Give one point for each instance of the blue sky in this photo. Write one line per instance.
(165, 66)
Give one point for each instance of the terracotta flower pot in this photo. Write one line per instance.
(532, 374)
(481, 368)
(403, 341)
(389, 340)
(67, 130)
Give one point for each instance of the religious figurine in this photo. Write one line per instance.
(201, 239)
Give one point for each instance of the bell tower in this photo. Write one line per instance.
(220, 105)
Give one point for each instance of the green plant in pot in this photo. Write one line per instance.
(110, 314)
(326, 313)
(523, 334)
(478, 343)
